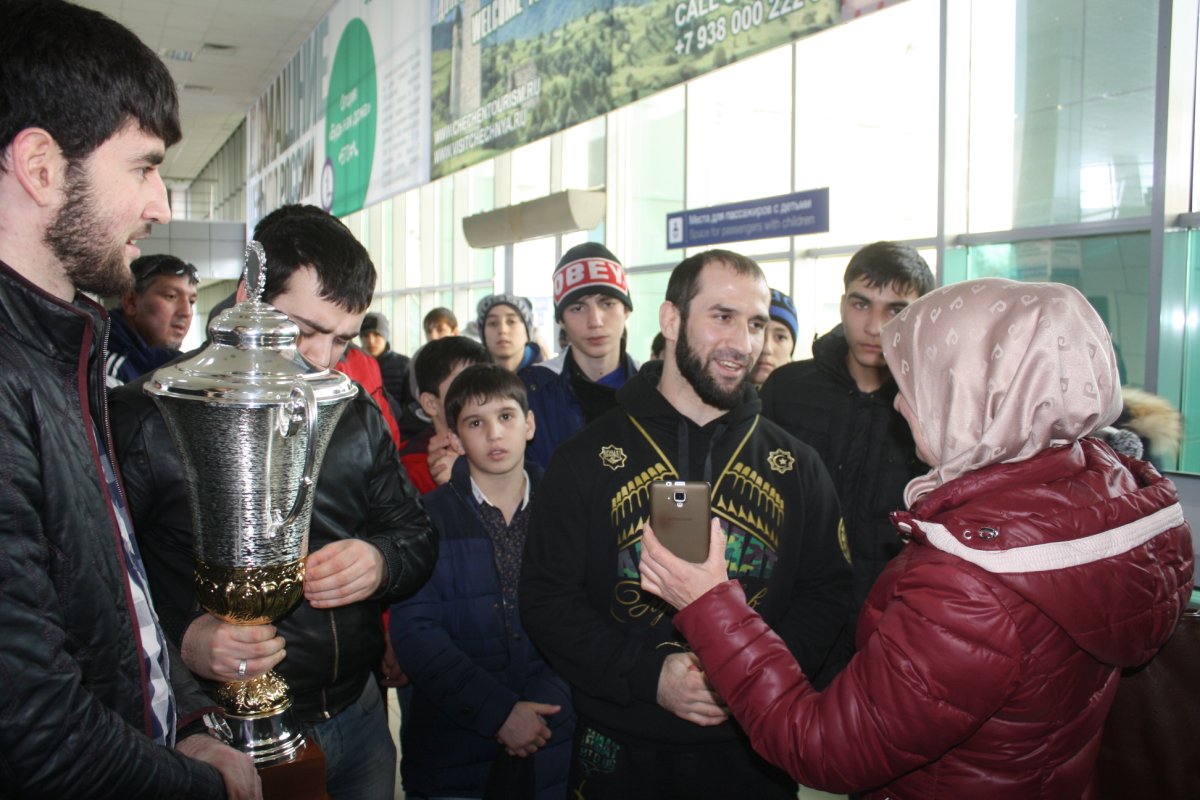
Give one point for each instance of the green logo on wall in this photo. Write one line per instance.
(350, 119)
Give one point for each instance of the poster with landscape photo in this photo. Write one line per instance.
(508, 72)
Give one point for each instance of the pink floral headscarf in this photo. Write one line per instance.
(999, 370)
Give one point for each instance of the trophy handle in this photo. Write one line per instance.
(303, 400)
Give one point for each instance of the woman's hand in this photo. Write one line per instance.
(677, 581)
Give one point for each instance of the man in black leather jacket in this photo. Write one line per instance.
(91, 705)
(370, 544)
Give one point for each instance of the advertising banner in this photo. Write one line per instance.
(347, 122)
(785, 215)
(508, 72)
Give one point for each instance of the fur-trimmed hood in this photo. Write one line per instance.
(1154, 419)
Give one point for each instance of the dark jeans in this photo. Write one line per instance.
(360, 759)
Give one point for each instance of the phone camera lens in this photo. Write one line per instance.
(680, 497)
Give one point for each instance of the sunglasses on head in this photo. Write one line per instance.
(168, 265)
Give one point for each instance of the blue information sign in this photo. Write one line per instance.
(785, 215)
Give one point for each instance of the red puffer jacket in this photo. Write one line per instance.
(988, 650)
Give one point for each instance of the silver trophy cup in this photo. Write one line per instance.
(251, 420)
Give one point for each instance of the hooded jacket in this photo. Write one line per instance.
(580, 598)
(468, 664)
(990, 648)
(361, 493)
(554, 388)
(866, 446)
(128, 354)
(74, 709)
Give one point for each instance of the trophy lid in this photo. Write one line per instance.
(252, 357)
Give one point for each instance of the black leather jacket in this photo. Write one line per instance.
(73, 705)
(362, 492)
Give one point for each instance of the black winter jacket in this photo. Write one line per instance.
(580, 598)
(865, 443)
(362, 492)
(74, 711)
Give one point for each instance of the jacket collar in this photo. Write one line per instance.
(460, 476)
(44, 323)
(563, 365)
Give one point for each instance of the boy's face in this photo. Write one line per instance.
(777, 351)
(494, 434)
(504, 332)
(440, 330)
(594, 324)
(433, 405)
(374, 343)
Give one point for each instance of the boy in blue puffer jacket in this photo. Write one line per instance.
(487, 715)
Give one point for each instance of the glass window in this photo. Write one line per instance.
(533, 270)
(583, 155)
(1183, 326)
(739, 132)
(647, 290)
(446, 226)
(412, 238)
(1062, 106)
(530, 171)
(868, 127)
(646, 183)
(1112, 272)
(481, 197)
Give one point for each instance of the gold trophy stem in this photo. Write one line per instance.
(259, 709)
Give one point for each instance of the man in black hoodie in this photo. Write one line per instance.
(649, 726)
(840, 403)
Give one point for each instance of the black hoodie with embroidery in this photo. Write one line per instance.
(580, 598)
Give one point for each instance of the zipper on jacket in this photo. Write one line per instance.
(334, 674)
(104, 423)
(101, 401)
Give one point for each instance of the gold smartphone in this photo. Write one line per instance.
(680, 516)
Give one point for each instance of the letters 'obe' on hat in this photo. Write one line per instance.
(589, 268)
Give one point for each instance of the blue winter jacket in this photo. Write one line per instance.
(556, 410)
(467, 669)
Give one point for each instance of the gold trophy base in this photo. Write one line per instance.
(259, 713)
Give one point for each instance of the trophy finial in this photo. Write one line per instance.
(255, 270)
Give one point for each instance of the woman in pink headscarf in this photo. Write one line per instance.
(1038, 563)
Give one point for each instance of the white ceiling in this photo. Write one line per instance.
(217, 86)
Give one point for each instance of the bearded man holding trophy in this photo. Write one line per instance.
(369, 544)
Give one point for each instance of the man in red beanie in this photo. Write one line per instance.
(591, 302)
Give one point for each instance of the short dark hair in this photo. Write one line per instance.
(80, 76)
(146, 268)
(684, 283)
(481, 383)
(439, 315)
(297, 236)
(434, 362)
(890, 264)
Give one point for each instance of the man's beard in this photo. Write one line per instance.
(78, 237)
(701, 380)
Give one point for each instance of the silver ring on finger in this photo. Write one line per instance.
(241, 670)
